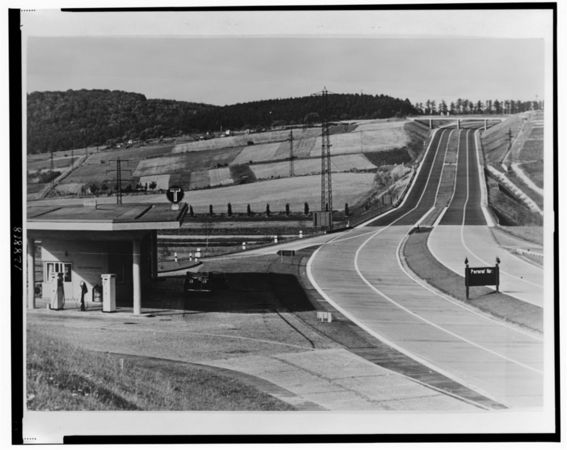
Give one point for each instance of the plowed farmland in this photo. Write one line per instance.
(243, 160)
(312, 166)
(255, 153)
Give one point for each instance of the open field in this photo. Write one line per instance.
(187, 162)
(347, 188)
(219, 177)
(45, 164)
(302, 148)
(243, 140)
(198, 165)
(255, 153)
(161, 181)
(63, 153)
(312, 166)
(385, 138)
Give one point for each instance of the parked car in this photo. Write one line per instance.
(204, 281)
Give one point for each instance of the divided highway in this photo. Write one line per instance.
(362, 274)
(463, 232)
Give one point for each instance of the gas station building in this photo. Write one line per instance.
(80, 243)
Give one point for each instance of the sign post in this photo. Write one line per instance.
(175, 194)
(482, 276)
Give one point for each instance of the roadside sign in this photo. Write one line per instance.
(175, 194)
(482, 276)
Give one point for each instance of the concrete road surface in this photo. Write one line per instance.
(463, 232)
(363, 276)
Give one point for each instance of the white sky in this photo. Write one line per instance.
(223, 58)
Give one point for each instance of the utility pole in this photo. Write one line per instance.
(51, 161)
(118, 171)
(326, 183)
(291, 169)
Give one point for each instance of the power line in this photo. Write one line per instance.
(326, 182)
(118, 171)
(291, 168)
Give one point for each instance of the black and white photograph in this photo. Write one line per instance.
(311, 220)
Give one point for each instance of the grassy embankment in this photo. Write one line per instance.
(63, 377)
(508, 209)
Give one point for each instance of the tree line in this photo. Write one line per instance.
(465, 106)
(81, 118)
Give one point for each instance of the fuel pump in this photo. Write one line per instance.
(57, 291)
(108, 292)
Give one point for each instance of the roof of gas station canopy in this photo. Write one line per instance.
(105, 217)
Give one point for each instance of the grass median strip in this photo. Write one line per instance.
(61, 376)
(425, 266)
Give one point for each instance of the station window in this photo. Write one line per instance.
(58, 267)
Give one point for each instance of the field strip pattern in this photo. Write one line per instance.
(255, 153)
(312, 166)
(363, 277)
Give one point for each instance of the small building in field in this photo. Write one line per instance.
(83, 242)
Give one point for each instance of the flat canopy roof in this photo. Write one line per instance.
(105, 217)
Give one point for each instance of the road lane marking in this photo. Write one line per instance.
(389, 342)
(427, 321)
(383, 338)
(463, 229)
(460, 304)
(435, 132)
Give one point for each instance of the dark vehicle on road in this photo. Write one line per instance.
(203, 282)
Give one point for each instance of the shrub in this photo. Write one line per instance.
(267, 209)
(229, 209)
(306, 208)
(287, 209)
(248, 210)
(211, 210)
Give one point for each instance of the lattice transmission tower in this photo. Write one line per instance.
(326, 182)
(119, 178)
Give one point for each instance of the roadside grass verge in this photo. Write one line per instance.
(536, 197)
(529, 233)
(425, 266)
(508, 210)
(61, 377)
(534, 170)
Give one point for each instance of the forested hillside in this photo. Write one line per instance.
(74, 119)
(287, 111)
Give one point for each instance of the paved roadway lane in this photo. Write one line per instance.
(465, 206)
(362, 275)
(462, 232)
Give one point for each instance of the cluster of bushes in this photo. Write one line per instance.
(109, 188)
